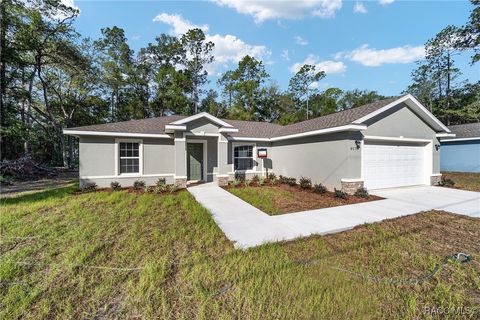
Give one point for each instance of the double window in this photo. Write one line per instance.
(243, 158)
(129, 157)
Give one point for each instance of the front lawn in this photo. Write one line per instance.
(465, 180)
(282, 198)
(147, 256)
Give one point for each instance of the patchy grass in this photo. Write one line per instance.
(51, 241)
(280, 199)
(465, 180)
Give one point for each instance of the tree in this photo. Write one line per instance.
(325, 102)
(356, 98)
(211, 105)
(301, 83)
(246, 87)
(469, 35)
(198, 55)
(423, 86)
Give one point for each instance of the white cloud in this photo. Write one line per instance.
(178, 23)
(373, 58)
(385, 2)
(359, 8)
(301, 41)
(70, 3)
(228, 48)
(328, 66)
(262, 10)
(286, 55)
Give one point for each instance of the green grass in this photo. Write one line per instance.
(188, 269)
(465, 180)
(263, 198)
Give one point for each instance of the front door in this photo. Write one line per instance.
(194, 161)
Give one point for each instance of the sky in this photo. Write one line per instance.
(359, 44)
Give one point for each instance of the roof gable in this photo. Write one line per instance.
(202, 115)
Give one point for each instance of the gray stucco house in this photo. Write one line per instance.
(389, 143)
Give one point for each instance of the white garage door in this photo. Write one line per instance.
(388, 165)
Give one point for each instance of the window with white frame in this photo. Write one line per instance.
(129, 155)
(243, 158)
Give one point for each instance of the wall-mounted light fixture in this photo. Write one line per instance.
(437, 147)
(358, 143)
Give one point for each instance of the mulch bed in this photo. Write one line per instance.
(307, 199)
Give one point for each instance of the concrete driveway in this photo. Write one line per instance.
(248, 226)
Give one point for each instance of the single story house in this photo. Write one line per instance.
(461, 153)
(388, 143)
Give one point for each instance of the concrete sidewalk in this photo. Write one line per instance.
(248, 226)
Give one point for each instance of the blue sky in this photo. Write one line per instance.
(359, 44)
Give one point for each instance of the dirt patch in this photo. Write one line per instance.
(287, 199)
(61, 180)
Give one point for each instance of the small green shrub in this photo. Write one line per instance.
(172, 188)
(5, 181)
(340, 194)
(446, 182)
(247, 183)
(115, 185)
(160, 188)
(305, 183)
(236, 182)
(89, 187)
(139, 185)
(161, 182)
(319, 188)
(262, 182)
(272, 177)
(255, 179)
(361, 193)
(292, 181)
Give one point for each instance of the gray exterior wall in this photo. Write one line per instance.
(325, 159)
(97, 161)
(402, 121)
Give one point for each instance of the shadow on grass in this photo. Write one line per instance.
(56, 193)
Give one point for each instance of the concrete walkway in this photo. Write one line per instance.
(248, 226)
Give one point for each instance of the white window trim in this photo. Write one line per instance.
(254, 156)
(205, 157)
(117, 158)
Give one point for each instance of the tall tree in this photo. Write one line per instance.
(198, 55)
(301, 84)
(469, 35)
(246, 86)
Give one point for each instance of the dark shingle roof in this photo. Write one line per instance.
(469, 130)
(246, 128)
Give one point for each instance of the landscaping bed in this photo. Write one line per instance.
(276, 198)
(464, 180)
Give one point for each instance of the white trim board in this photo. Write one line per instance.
(129, 177)
(114, 134)
(397, 139)
(459, 139)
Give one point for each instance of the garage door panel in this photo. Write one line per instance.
(386, 166)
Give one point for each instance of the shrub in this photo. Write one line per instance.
(361, 193)
(236, 182)
(291, 181)
(340, 194)
(160, 188)
(319, 188)
(161, 182)
(446, 182)
(89, 187)
(139, 185)
(172, 188)
(115, 185)
(272, 177)
(262, 181)
(247, 183)
(255, 179)
(5, 181)
(305, 183)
